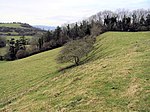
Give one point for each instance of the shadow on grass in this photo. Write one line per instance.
(95, 54)
(66, 68)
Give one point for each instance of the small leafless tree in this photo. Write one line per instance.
(74, 50)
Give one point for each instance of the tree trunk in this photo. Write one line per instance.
(76, 60)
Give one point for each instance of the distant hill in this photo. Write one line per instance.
(115, 78)
(18, 29)
(45, 27)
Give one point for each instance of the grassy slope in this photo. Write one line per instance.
(12, 25)
(115, 78)
(17, 37)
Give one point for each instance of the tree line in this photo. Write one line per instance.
(120, 20)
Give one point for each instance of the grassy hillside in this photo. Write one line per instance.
(16, 37)
(18, 29)
(12, 25)
(115, 77)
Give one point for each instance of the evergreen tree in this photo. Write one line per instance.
(11, 53)
(148, 19)
(40, 42)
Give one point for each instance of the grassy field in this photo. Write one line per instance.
(12, 25)
(8, 33)
(115, 77)
(17, 37)
(3, 51)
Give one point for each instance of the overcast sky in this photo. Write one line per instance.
(57, 12)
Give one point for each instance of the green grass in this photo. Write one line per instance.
(3, 51)
(12, 25)
(115, 78)
(8, 33)
(17, 37)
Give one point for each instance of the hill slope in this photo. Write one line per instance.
(114, 78)
(18, 29)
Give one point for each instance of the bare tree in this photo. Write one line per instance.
(96, 29)
(74, 50)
